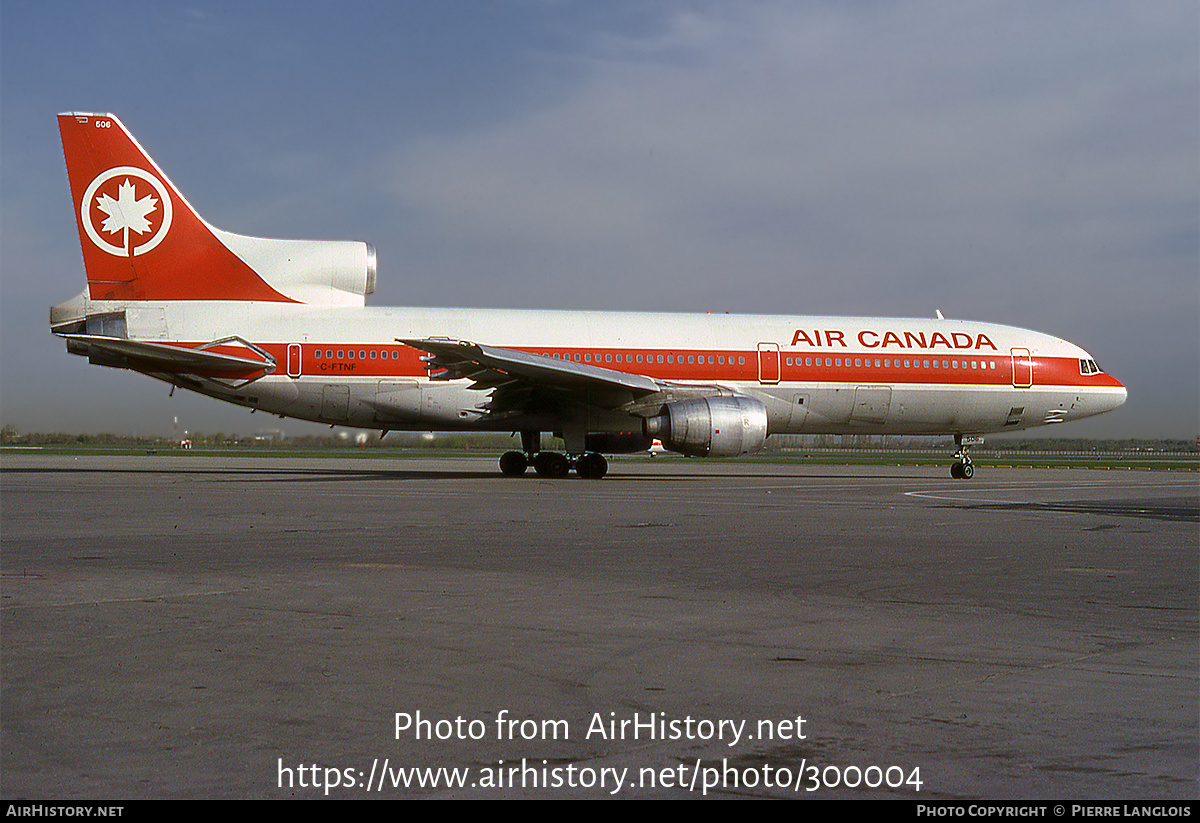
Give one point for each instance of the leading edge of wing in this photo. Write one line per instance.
(460, 358)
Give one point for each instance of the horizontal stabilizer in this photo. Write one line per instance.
(167, 357)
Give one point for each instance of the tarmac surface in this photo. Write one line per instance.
(268, 627)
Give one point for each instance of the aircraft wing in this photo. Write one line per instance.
(492, 366)
(525, 382)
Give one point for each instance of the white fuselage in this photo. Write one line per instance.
(831, 375)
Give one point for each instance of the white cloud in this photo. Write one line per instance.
(868, 141)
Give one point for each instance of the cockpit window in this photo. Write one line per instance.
(1089, 367)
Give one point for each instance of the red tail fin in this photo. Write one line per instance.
(141, 240)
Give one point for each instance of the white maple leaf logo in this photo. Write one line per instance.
(130, 218)
(126, 213)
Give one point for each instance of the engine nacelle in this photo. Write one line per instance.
(711, 426)
(317, 272)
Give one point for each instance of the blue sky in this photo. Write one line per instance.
(1029, 163)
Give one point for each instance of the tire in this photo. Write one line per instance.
(551, 464)
(513, 464)
(591, 466)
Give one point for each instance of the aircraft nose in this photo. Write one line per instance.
(1113, 396)
(1120, 395)
(1105, 394)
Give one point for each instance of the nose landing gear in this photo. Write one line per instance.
(963, 470)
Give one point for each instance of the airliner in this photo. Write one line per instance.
(282, 326)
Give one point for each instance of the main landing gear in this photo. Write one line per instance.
(963, 470)
(589, 465)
